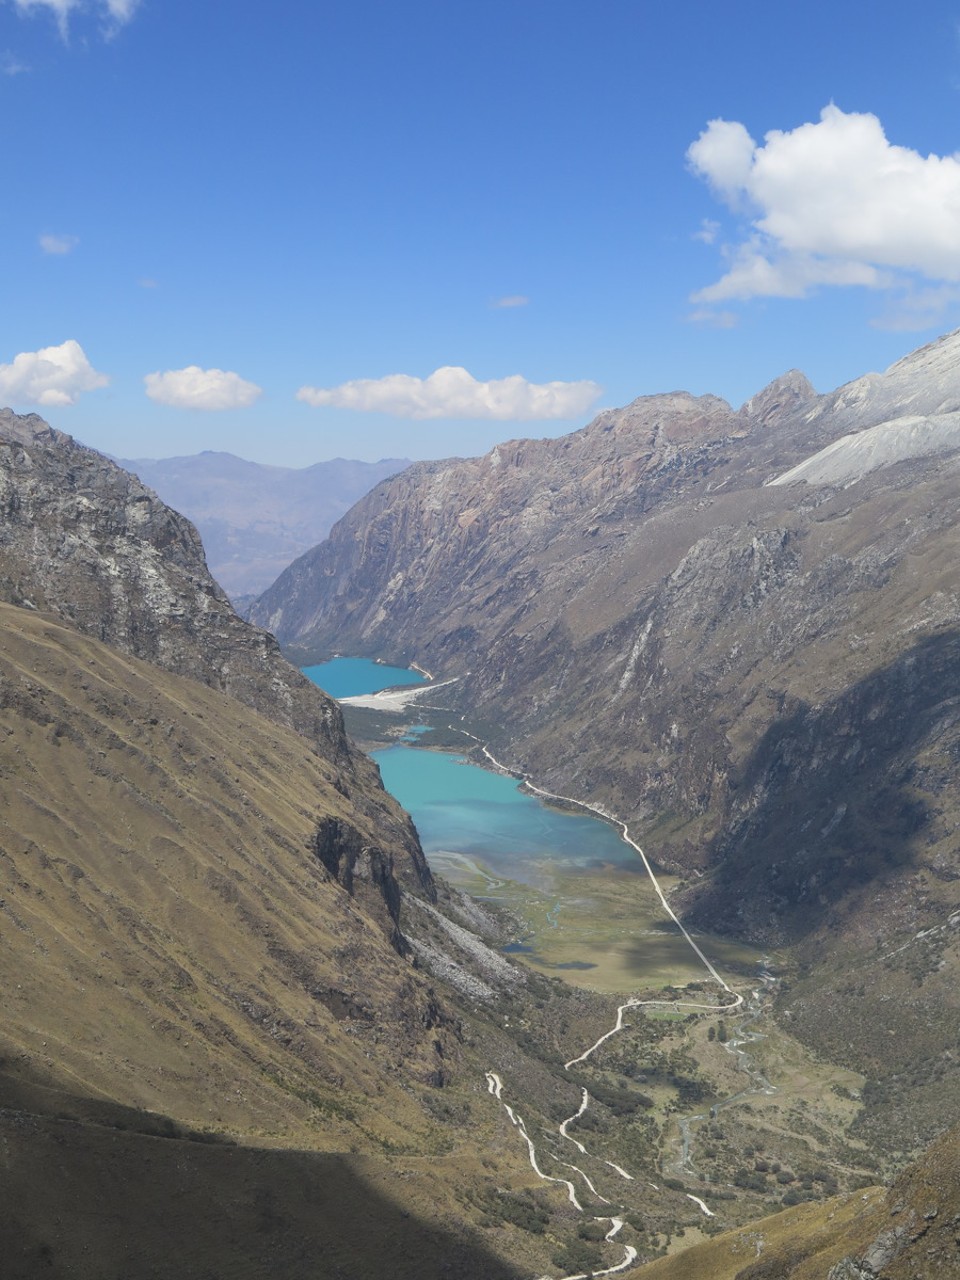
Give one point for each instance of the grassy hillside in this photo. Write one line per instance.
(175, 942)
(105, 1199)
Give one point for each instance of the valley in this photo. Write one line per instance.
(702, 1035)
(547, 1054)
(736, 632)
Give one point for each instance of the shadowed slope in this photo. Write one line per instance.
(102, 1201)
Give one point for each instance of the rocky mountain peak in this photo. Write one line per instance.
(779, 397)
(926, 383)
(27, 427)
(937, 357)
(674, 418)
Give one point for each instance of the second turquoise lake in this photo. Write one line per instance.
(465, 811)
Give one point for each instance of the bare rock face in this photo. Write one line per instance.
(920, 1236)
(387, 565)
(85, 540)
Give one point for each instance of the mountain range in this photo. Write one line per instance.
(253, 518)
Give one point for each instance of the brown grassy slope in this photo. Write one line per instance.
(911, 1232)
(167, 937)
(177, 963)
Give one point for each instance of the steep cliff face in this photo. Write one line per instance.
(648, 620)
(84, 540)
(387, 567)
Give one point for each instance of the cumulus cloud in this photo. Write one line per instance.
(196, 388)
(53, 376)
(724, 155)
(512, 300)
(115, 12)
(58, 244)
(829, 203)
(452, 392)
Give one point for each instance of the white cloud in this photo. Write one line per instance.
(196, 388)
(58, 244)
(512, 300)
(830, 203)
(917, 309)
(724, 155)
(452, 392)
(61, 9)
(115, 12)
(10, 66)
(709, 230)
(53, 376)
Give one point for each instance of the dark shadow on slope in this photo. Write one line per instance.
(108, 1199)
(833, 798)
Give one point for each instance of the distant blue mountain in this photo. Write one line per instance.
(255, 519)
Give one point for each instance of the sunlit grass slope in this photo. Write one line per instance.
(168, 939)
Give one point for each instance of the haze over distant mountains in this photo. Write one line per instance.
(255, 519)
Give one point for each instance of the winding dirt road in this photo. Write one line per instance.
(729, 1002)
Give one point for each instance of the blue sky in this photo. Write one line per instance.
(265, 228)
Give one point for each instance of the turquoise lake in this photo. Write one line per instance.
(476, 826)
(463, 811)
(473, 817)
(349, 677)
